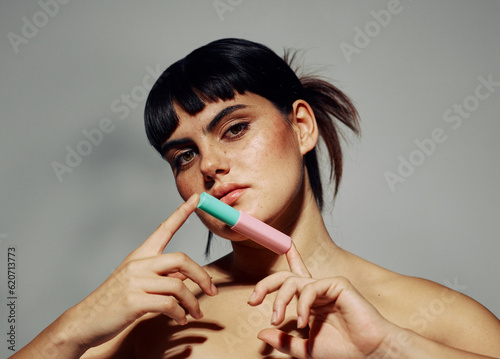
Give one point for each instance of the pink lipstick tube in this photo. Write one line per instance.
(245, 224)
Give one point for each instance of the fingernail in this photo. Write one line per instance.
(182, 321)
(252, 297)
(199, 314)
(300, 322)
(274, 317)
(214, 289)
(193, 199)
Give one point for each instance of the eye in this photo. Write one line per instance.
(184, 158)
(236, 130)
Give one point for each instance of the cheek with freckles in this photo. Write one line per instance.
(188, 184)
(274, 163)
(282, 155)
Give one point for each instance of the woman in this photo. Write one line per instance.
(232, 119)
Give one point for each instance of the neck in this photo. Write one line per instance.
(310, 236)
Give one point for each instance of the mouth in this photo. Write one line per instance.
(229, 193)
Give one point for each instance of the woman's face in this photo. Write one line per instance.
(241, 151)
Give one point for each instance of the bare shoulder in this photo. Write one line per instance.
(432, 310)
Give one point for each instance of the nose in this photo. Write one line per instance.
(214, 163)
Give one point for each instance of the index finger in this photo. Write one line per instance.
(296, 263)
(157, 242)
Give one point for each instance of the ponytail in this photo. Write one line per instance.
(331, 108)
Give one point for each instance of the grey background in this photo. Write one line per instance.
(71, 232)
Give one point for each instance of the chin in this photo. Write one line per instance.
(217, 227)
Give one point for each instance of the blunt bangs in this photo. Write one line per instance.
(217, 71)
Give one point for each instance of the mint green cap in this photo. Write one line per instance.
(218, 209)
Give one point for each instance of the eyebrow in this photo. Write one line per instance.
(223, 113)
(209, 128)
(172, 144)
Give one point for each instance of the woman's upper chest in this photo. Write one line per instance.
(229, 328)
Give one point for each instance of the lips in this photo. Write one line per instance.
(229, 192)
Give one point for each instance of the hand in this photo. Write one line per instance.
(146, 282)
(342, 323)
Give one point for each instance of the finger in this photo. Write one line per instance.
(168, 306)
(328, 290)
(181, 265)
(176, 288)
(268, 285)
(157, 242)
(291, 287)
(140, 303)
(296, 263)
(285, 343)
(177, 275)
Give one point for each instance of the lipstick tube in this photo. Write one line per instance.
(245, 224)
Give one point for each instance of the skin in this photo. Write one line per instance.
(353, 307)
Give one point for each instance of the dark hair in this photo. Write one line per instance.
(224, 67)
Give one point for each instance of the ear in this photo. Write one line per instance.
(305, 125)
